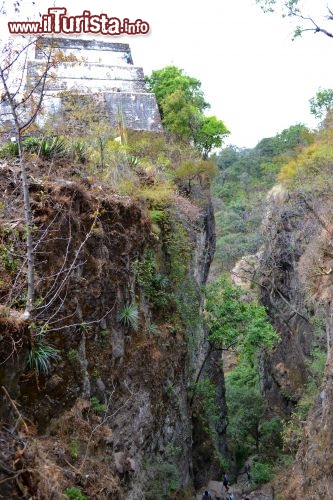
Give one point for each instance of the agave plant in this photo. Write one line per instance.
(133, 161)
(161, 281)
(40, 357)
(129, 316)
(79, 150)
(52, 147)
(152, 329)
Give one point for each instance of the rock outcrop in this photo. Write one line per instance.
(112, 414)
(297, 286)
(287, 228)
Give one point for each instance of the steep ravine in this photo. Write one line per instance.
(112, 417)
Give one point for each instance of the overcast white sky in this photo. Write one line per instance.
(256, 79)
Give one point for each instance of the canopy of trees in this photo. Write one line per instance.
(241, 186)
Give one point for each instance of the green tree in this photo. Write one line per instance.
(287, 140)
(20, 107)
(209, 135)
(234, 323)
(321, 103)
(195, 170)
(181, 103)
(246, 408)
(166, 81)
(244, 178)
(248, 429)
(180, 116)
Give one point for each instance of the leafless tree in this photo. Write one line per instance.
(293, 8)
(21, 104)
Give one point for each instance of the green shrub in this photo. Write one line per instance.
(152, 329)
(164, 482)
(146, 145)
(9, 150)
(74, 493)
(261, 473)
(9, 262)
(310, 171)
(154, 284)
(73, 355)
(157, 215)
(74, 448)
(133, 161)
(271, 437)
(31, 144)
(292, 434)
(97, 406)
(102, 337)
(156, 193)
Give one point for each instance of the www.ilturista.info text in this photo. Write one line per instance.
(56, 21)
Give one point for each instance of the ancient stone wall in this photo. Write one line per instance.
(104, 70)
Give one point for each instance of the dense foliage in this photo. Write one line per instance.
(240, 325)
(250, 431)
(245, 176)
(235, 322)
(309, 171)
(181, 103)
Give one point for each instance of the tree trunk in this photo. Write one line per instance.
(26, 199)
(28, 229)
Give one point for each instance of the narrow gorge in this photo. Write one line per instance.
(165, 304)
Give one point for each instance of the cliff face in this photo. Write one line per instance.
(312, 475)
(287, 228)
(296, 278)
(120, 298)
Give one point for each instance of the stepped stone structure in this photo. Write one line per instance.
(106, 72)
